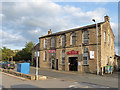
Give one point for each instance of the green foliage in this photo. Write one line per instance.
(25, 53)
(6, 53)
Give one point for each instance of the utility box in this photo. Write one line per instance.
(108, 69)
(23, 68)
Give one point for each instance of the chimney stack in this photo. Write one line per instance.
(106, 18)
(50, 32)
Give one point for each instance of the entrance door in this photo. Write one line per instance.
(56, 64)
(73, 64)
(52, 63)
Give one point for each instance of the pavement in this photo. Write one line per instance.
(13, 82)
(108, 80)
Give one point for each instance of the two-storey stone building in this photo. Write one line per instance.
(76, 49)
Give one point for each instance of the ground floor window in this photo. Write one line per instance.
(63, 57)
(45, 56)
(85, 60)
(85, 56)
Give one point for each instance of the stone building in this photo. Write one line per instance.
(76, 49)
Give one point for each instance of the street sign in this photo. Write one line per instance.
(37, 54)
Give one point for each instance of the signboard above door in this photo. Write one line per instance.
(51, 51)
(72, 52)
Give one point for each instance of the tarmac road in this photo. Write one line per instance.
(9, 81)
(79, 77)
(107, 81)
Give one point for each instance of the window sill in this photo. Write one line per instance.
(85, 65)
(44, 61)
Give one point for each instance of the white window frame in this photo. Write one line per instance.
(105, 37)
(62, 56)
(85, 39)
(45, 43)
(85, 54)
(53, 42)
(63, 40)
(71, 38)
(45, 56)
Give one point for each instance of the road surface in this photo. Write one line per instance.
(9, 81)
(107, 81)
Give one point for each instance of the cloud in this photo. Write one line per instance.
(13, 40)
(26, 21)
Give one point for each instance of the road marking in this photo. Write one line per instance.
(15, 76)
(75, 82)
(72, 86)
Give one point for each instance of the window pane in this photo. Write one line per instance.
(45, 56)
(63, 57)
(104, 36)
(53, 42)
(73, 38)
(85, 37)
(63, 40)
(85, 62)
(45, 43)
(85, 50)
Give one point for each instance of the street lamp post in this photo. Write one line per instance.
(97, 46)
(36, 55)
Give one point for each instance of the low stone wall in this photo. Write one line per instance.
(30, 77)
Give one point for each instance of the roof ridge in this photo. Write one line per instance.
(69, 30)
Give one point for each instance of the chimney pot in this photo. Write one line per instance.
(106, 18)
(50, 31)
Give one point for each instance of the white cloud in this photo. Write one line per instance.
(12, 40)
(27, 21)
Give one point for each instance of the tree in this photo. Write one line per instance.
(25, 53)
(7, 53)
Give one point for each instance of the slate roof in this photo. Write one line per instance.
(70, 30)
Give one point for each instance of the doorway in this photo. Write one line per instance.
(52, 63)
(56, 64)
(73, 63)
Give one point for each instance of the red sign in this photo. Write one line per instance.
(51, 51)
(73, 52)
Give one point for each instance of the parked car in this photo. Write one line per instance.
(8, 65)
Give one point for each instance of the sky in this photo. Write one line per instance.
(27, 21)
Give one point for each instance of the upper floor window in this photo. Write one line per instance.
(85, 56)
(105, 37)
(63, 40)
(63, 57)
(108, 39)
(52, 42)
(73, 39)
(111, 41)
(85, 36)
(45, 56)
(45, 43)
